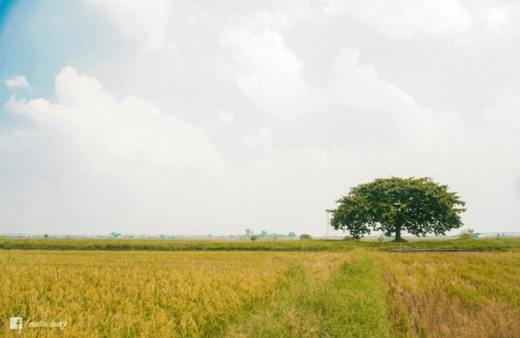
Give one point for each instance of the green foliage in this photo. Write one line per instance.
(115, 235)
(249, 233)
(254, 238)
(348, 238)
(262, 234)
(466, 234)
(305, 236)
(418, 206)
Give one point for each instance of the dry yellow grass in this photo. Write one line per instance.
(453, 295)
(149, 294)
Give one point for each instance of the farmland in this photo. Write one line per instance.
(453, 294)
(491, 244)
(284, 289)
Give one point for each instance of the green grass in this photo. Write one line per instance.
(485, 244)
(492, 244)
(175, 245)
(346, 303)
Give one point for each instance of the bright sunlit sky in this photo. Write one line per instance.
(210, 117)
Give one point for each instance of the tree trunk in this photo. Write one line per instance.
(398, 237)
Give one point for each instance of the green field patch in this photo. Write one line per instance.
(347, 302)
(490, 244)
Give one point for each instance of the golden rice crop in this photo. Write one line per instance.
(453, 294)
(260, 294)
(150, 294)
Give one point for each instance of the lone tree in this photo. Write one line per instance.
(416, 205)
(249, 233)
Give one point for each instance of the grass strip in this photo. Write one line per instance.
(348, 302)
(173, 245)
(488, 244)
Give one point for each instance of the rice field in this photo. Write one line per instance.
(453, 294)
(175, 294)
(356, 293)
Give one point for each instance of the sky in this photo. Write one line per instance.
(204, 117)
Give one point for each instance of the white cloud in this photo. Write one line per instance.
(405, 18)
(266, 70)
(504, 19)
(270, 74)
(358, 85)
(197, 15)
(17, 81)
(105, 165)
(90, 163)
(226, 117)
(260, 140)
(504, 119)
(144, 21)
(127, 166)
(115, 135)
(127, 153)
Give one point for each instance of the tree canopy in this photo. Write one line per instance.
(416, 205)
